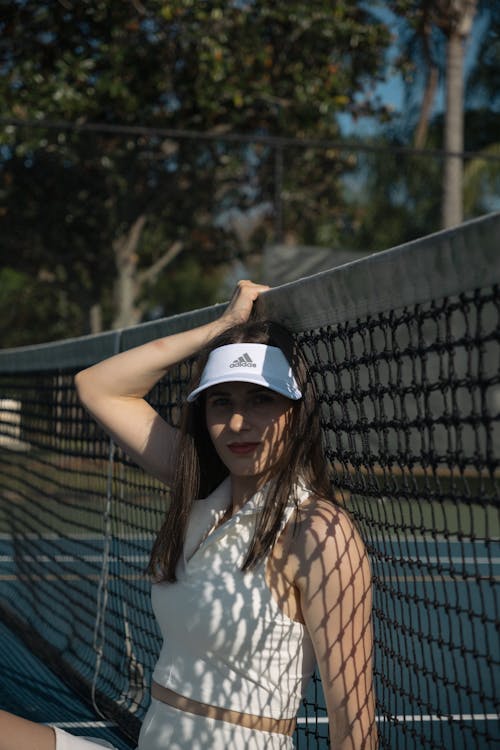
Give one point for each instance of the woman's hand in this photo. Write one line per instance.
(241, 303)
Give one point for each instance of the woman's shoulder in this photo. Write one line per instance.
(322, 527)
(318, 511)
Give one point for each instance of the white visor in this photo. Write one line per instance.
(249, 363)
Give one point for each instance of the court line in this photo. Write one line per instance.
(80, 724)
(145, 558)
(73, 559)
(148, 537)
(143, 577)
(411, 717)
(443, 559)
(52, 536)
(304, 720)
(76, 577)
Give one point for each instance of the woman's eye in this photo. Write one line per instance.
(219, 402)
(262, 398)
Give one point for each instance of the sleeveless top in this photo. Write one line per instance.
(226, 641)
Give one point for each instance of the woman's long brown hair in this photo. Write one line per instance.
(200, 470)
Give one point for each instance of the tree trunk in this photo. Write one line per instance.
(95, 317)
(130, 279)
(458, 16)
(453, 133)
(126, 286)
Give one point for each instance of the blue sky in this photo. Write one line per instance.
(391, 91)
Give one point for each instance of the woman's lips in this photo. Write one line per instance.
(242, 449)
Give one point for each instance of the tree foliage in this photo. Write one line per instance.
(84, 207)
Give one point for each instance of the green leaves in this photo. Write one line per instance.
(225, 66)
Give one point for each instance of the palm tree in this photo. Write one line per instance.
(455, 17)
(429, 21)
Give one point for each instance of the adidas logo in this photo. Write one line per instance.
(244, 361)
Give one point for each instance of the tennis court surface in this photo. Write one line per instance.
(403, 348)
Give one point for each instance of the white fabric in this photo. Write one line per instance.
(67, 741)
(226, 640)
(249, 363)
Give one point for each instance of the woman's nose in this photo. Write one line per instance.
(237, 421)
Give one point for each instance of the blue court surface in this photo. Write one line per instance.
(31, 690)
(436, 608)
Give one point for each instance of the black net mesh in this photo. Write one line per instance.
(410, 419)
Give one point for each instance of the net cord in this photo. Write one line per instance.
(441, 267)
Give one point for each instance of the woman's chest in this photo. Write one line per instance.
(221, 608)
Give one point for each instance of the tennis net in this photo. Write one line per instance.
(403, 348)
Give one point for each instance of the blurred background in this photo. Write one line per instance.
(152, 153)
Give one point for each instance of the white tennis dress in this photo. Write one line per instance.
(227, 642)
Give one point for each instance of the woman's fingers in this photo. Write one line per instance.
(241, 303)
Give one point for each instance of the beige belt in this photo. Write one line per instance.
(260, 723)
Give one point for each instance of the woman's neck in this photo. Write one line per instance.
(243, 488)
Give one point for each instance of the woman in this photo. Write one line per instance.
(262, 578)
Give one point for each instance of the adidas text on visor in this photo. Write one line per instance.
(249, 363)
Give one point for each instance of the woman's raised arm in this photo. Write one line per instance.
(113, 390)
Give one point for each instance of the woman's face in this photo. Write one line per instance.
(247, 424)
